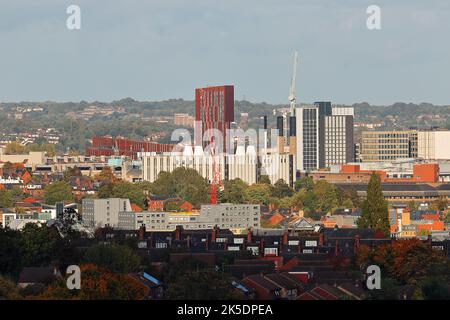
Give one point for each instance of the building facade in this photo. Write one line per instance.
(307, 119)
(386, 146)
(434, 144)
(108, 146)
(214, 107)
(336, 137)
(103, 212)
(237, 217)
(325, 136)
(246, 166)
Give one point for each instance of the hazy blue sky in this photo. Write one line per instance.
(161, 49)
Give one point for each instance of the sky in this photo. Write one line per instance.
(163, 49)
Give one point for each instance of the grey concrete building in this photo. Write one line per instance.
(237, 217)
(103, 212)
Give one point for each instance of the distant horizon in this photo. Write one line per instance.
(236, 100)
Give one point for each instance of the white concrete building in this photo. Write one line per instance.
(244, 165)
(434, 144)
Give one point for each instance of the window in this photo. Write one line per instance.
(271, 251)
(161, 245)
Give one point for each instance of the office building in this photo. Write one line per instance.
(386, 146)
(335, 136)
(237, 217)
(434, 144)
(307, 119)
(103, 212)
(325, 136)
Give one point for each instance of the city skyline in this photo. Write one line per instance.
(157, 50)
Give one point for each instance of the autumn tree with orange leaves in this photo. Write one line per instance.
(97, 284)
(408, 261)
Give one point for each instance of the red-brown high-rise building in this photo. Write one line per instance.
(214, 107)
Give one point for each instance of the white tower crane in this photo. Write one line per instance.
(292, 88)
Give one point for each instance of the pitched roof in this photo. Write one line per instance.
(355, 291)
(37, 275)
(146, 279)
(281, 281)
(135, 208)
(30, 200)
(308, 295)
(327, 292)
(263, 282)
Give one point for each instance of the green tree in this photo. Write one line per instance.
(57, 191)
(186, 183)
(145, 186)
(374, 213)
(258, 193)
(413, 206)
(10, 252)
(128, 190)
(347, 203)
(48, 148)
(14, 148)
(434, 288)
(41, 245)
(298, 199)
(6, 199)
(265, 179)
(191, 186)
(304, 183)
(347, 196)
(171, 206)
(105, 191)
(234, 191)
(202, 285)
(447, 217)
(325, 195)
(116, 258)
(389, 290)
(440, 204)
(8, 290)
(285, 203)
(281, 189)
(164, 185)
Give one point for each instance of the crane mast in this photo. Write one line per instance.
(292, 88)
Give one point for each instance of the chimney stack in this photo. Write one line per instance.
(214, 233)
(285, 238)
(178, 231)
(142, 232)
(321, 238)
(280, 134)
(357, 242)
(336, 248)
(249, 236)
